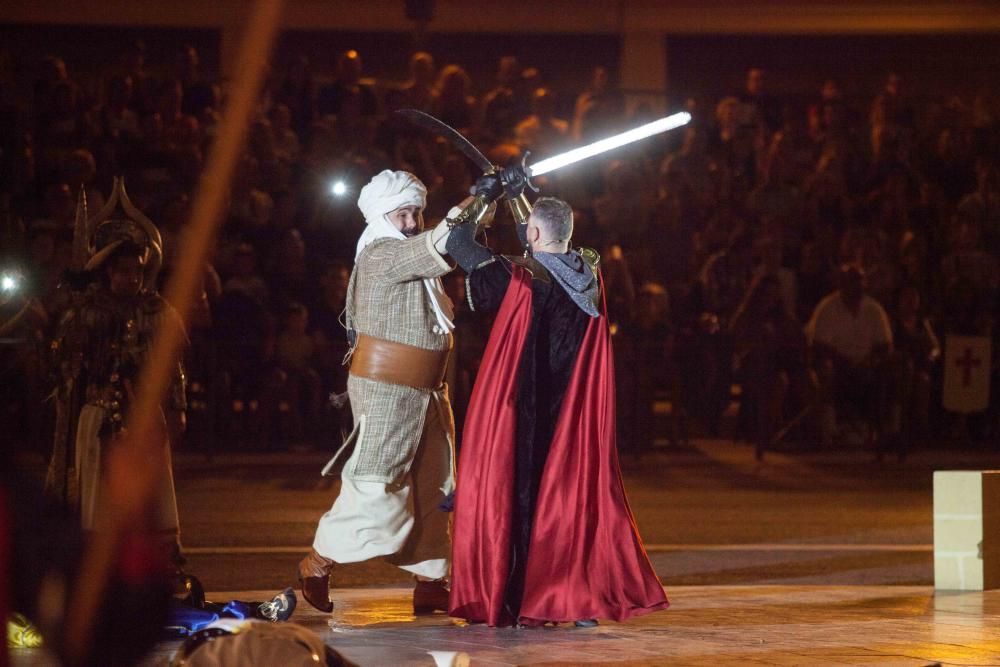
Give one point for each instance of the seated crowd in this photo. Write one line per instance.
(816, 258)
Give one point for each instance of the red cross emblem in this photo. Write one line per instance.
(967, 362)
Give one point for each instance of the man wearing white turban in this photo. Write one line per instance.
(396, 484)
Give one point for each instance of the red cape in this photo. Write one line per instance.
(586, 559)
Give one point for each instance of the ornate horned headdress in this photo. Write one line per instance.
(96, 239)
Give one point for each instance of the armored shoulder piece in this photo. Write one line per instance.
(591, 257)
(534, 267)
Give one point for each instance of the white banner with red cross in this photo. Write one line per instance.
(966, 373)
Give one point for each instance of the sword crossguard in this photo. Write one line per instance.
(515, 178)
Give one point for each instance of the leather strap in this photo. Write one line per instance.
(397, 363)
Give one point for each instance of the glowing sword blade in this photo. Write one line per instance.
(590, 150)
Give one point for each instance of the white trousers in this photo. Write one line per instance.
(404, 522)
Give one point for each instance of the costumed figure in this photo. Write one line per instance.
(101, 343)
(396, 484)
(542, 529)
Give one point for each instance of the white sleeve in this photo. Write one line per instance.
(439, 237)
(816, 329)
(883, 330)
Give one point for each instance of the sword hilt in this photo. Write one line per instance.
(517, 177)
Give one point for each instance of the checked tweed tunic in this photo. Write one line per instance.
(402, 467)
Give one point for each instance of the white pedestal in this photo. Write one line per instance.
(966, 530)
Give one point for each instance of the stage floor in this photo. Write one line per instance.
(706, 625)
(805, 559)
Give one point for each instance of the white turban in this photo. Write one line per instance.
(385, 193)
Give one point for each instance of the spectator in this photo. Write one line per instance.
(949, 167)
(770, 357)
(63, 125)
(623, 207)
(827, 202)
(761, 108)
(180, 130)
(542, 132)
(347, 86)
(982, 205)
(831, 93)
(48, 258)
(79, 171)
(769, 254)
(118, 126)
(118, 121)
(330, 342)
(52, 71)
(881, 271)
(263, 151)
(354, 128)
(813, 280)
(917, 351)
(969, 261)
(643, 347)
(133, 66)
(499, 105)
(288, 272)
(725, 276)
(777, 199)
(244, 334)
(529, 80)
(58, 211)
(286, 141)
(891, 108)
(296, 357)
(850, 337)
(732, 150)
(297, 92)
(695, 169)
(913, 262)
(327, 328)
(419, 89)
(251, 205)
(453, 186)
(598, 108)
(245, 277)
(453, 101)
(197, 93)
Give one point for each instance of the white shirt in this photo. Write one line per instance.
(853, 336)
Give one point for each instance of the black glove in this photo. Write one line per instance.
(464, 249)
(514, 180)
(489, 187)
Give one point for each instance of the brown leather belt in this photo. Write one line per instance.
(398, 363)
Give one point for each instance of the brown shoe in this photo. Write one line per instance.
(430, 596)
(314, 581)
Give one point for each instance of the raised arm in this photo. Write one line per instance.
(403, 260)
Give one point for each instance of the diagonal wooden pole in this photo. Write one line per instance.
(133, 474)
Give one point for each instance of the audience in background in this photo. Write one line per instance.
(732, 227)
